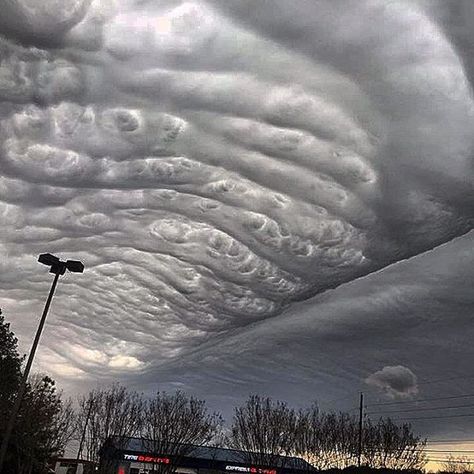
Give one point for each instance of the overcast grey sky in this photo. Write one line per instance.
(269, 196)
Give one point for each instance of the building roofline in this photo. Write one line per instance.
(239, 451)
(86, 461)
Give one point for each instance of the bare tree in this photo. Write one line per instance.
(110, 411)
(265, 430)
(174, 424)
(339, 434)
(457, 465)
(327, 440)
(64, 426)
(309, 442)
(391, 446)
(330, 440)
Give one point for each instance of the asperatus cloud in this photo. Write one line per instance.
(213, 166)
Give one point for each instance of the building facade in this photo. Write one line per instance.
(134, 456)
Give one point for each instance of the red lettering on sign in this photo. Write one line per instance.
(152, 459)
(259, 470)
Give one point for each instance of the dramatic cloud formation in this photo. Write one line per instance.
(214, 163)
(397, 381)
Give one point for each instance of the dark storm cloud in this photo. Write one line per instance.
(214, 163)
(415, 314)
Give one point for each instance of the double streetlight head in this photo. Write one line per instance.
(59, 267)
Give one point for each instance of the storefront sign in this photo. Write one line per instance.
(143, 458)
(130, 457)
(252, 470)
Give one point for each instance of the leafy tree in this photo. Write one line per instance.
(40, 427)
(37, 437)
(10, 374)
(10, 367)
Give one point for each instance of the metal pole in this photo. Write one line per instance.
(361, 413)
(24, 379)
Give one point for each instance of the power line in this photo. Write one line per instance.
(421, 409)
(330, 402)
(451, 441)
(433, 417)
(451, 461)
(422, 400)
(462, 377)
(466, 451)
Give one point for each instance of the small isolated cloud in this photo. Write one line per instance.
(396, 381)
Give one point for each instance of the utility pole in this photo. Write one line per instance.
(361, 414)
(57, 268)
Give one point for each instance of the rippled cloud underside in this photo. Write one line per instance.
(214, 162)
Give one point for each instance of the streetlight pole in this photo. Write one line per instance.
(58, 268)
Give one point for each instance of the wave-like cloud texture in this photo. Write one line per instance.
(213, 162)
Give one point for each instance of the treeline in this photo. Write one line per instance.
(457, 465)
(45, 423)
(263, 428)
(170, 422)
